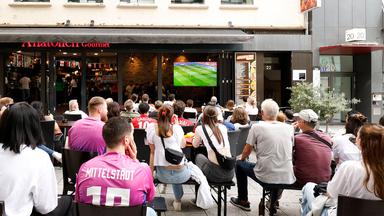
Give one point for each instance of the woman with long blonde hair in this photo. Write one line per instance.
(361, 179)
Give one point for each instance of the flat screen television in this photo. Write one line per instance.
(195, 74)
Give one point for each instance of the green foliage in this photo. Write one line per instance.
(326, 103)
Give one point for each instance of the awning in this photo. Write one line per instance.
(132, 35)
(351, 48)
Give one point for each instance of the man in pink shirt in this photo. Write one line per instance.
(86, 133)
(143, 121)
(116, 178)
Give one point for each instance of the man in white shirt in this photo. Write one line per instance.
(74, 109)
(273, 143)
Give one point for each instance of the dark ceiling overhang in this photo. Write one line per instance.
(351, 48)
(132, 35)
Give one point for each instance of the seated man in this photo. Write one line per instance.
(273, 143)
(155, 113)
(129, 112)
(313, 152)
(178, 108)
(86, 134)
(74, 109)
(116, 178)
(143, 121)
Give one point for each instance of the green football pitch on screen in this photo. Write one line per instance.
(195, 74)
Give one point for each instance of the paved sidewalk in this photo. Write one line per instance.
(289, 203)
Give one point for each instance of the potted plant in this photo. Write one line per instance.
(326, 103)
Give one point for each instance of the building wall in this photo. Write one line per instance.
(264, 14)
(329, 25)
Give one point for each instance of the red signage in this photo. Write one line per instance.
(40, 44)
(306, 5)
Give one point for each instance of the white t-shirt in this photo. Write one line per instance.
(251, 110)
(349, 181)
(190, 110)
(200, 137)
(344, 149)
(24, 82)
(273, 143)
(173, 142)
(76, 112)
(27, 180)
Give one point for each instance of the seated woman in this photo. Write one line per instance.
(38, 106)
(361, 179)
(113, 109)
(218, 134)
(238, 119)
(163, 135)
(251, 106)
(344, 146)
(27, 179)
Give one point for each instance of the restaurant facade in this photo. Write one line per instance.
(229, 60)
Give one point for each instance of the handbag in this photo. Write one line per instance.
(171, 155)
(225, 162)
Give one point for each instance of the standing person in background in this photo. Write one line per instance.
(126, 177)
(251, 106)
(219, 136)
(163, 135)
(73, 106)
(24, 87)
(27, 176)
(361, 179)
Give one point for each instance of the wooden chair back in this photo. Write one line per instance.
(72, 117)
(347, 206)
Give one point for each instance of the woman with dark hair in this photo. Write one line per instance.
(27, 177)
(218, 134)
(38, 106)
(361, 179)
(173, 138)
(113, 109)
(344, 147)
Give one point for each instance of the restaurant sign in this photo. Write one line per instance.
(44, 44)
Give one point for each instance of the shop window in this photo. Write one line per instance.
(187, 1)
(139, 1)
(22, 76)
(32, 0)
(85, 1)
(336, 63)
(244, 2)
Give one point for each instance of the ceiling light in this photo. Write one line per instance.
(96, 54)
(65, 53)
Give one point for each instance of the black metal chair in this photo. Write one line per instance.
(253, 118)
(359, 207)
(233, 137)
(72, 117)
(72, 160)
(244, 131)
(143, 151)
(88, 210)
(2, 208)
(189, 115)
(48, 130)
(227, 114)
(187, 129)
